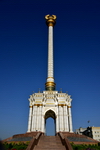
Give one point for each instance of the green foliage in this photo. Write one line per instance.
(85, 147)
(16, 146)
(8, 146)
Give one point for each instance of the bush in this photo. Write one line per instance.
(16, 146)
(85, 147)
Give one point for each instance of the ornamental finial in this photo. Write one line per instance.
(50, 20)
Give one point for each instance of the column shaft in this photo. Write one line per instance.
(30, 119)
(33, 120)
(50, 55)
(70, 119)
(42, 119)
(39, 120)
(62, 122)
(57, 121)
(35, 117)
(67, 125)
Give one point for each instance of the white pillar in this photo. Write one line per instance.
(66, 126)
(70, 119)
(59, 117)
(42, 122)
(30, 119)
(35, 117)
(32, 129)
(62, 122)
(50, 55)
(50, 21)
(65, 123)
(44, 125)
(39, 120)
(57, 121)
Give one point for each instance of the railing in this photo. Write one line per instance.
(65, 142)
(34, 141)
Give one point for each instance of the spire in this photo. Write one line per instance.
(50, 21)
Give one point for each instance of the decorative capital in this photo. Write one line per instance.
(50, 20)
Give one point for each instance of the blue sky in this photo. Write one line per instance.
(23, 59)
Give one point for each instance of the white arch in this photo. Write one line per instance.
(50, 109)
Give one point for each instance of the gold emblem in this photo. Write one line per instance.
(50, 20)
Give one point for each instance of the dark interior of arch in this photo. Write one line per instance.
(51, 114)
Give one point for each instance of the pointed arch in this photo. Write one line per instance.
(51, 117)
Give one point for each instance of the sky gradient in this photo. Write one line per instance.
(23, 59)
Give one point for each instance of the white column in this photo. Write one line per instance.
(44, 125)
(62, 122)
(35, 117)
(70, 119)
(66, 126)
(59, 116)
(57, 122)
(67, 120)
(64, 107)
(32, 129)
(30, 119)
(42, 122)
(50, 55)
(39, 119)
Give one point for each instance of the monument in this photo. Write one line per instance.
(50, 102)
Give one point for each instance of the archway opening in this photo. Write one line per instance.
(50, 123)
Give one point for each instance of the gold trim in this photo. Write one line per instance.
(62, 102)
(69, 106)
(50, 84)
(61, 105)
(31, 106)
(38, 105)
(50, 77)
(50, 97)
(50, 24)
(39, 102)
(65, 105)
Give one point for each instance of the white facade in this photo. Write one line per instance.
(93, 132)
(50, 104)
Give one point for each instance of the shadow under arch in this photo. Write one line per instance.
(50, 123)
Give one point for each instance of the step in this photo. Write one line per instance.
(49, 143)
